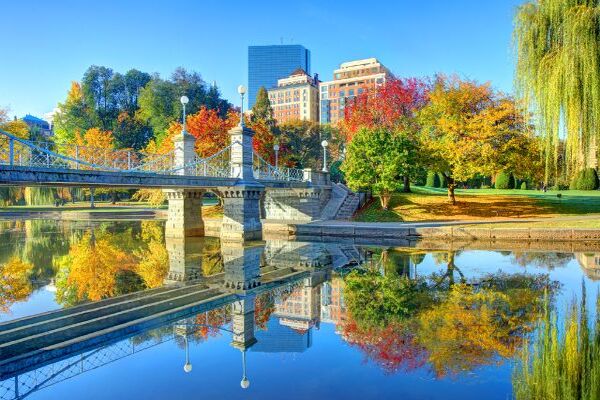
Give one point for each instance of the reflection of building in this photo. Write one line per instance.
(302, 309)
(352, 79)
(590, 262)
(267, 64)
(295, 98)
(333, 308)
(278, 338)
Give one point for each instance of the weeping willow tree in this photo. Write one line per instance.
(558, 73)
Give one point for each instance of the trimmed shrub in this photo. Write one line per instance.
(505, 180)
(433, 179)
(586, 179)
(523, 185)
(443, 180)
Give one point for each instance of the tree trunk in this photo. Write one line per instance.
(114, 196)
(385, 199)
(451, 187)
(406, 188)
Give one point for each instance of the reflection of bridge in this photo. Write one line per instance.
(249, 187)
(40, 350)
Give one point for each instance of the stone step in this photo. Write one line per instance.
(58, 320)
(38, 341)
(349, 207)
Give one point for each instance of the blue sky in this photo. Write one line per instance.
(47, 44)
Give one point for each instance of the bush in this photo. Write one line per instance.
(586, 179)
(505, 180)
(523, 185)
(443, 180)
(433, 179)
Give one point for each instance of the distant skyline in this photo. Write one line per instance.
(44, 53)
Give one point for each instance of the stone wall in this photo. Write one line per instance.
(301, 205)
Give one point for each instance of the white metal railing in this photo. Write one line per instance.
(15, 151)
(263, 170)
(218, 165)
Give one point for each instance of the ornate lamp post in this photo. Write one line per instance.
(242, 92)
(276, 149)
(324, 143)
(187, 367)
(184, 100)
(244, 383)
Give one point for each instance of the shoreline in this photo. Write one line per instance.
(344, 230)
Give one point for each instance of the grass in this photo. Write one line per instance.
(429, 204)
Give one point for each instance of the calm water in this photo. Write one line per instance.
(328, 320)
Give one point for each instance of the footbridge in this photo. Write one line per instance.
(250, 188)
(44, 349)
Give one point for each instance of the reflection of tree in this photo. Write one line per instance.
(545, 260)
(14, 283)
(212, 259)
(264, 306)
(392, 347)
(95, 266)
(208, 323)
(154, 258)
(398, 322)
(447, 277)
(375, 299)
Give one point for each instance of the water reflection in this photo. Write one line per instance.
(404, 310)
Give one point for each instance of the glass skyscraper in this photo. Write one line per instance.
(266, 64)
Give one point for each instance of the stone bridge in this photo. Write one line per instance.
(249, 187)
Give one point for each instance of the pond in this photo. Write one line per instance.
(138, 315)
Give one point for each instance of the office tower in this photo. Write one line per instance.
(267, 64)
(351, 79)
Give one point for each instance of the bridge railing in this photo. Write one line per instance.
(264, 170)
(218, 165)
(15, 151)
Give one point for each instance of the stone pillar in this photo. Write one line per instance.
(184, 153)
(241, 153)
(184, 265)
(242, 266)
(307, 175)
(242, 322)
(185, 213)
(241, 213)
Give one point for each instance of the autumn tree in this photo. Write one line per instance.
(378, 159)
(468, 129)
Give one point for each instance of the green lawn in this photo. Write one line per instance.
(431, 204)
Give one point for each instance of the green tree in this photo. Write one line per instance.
(558, 74)
(261, 110)
(378, 158)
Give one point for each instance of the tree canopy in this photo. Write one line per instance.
(557, 45)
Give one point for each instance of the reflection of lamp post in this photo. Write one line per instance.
(245, 382)
(184, 100)
(242, 92)
(276, 148)
(187, 367)
(324, 144)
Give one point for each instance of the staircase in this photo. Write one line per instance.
(349, 206)
(342, 205)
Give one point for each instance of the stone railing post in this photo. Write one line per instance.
(307, 175)
(185, 153)
(241, 153)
